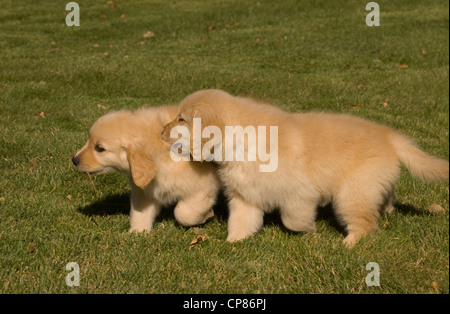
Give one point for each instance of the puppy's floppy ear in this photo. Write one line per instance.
(142, 168)
(209, 118)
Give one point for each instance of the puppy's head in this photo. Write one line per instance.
(204, 105)
(114, 145)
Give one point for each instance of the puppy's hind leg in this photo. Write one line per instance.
(358, 208)
(388, 206)
(195, 209)
(244, 220)
(299, 215)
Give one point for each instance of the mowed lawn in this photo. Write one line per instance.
(56, 80)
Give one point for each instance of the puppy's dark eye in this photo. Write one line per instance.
(99, 149)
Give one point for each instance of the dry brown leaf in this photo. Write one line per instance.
(385, 104)
(69, 197)
(148, 34)
(31, 248)
(403, 66)
(436, 208)
(435, 286)
(101, 106)
(2, 199)
(198, 239)
(112, 4)
(42, 115)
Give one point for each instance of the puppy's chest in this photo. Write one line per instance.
(245, 180)
(166, 187)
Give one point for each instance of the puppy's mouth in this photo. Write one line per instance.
(94, 172)
(99, 171)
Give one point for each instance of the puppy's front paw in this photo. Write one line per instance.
(139, 230)
(351, 240)
(238, 236)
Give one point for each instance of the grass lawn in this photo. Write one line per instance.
(56, 80)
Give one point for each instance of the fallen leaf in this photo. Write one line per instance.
(435, 286)
(101, 106)
(436, 208)
(148, 34)
(403, 66)
(356, 105)
(15, 171)
(69, 197)
(385, 104)
(112, 4)
(106, 54)
(42, 114)
(122, 16)
(31, 248)
(2, 199)
(95, 45)
(198, 239)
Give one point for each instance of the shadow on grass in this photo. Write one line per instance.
(327, 215)
(323, 214)
(119, 204)
(409, 210)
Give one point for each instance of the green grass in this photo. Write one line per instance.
(300, 55)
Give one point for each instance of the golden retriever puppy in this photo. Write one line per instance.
(313, 159)
(130, 142)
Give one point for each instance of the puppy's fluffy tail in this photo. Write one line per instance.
(421, 165)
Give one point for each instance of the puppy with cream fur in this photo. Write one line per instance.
(322, 158)
(130, 142)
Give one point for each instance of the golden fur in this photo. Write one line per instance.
(348, 161)
(132, 145)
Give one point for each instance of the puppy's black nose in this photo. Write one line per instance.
(75, 160)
